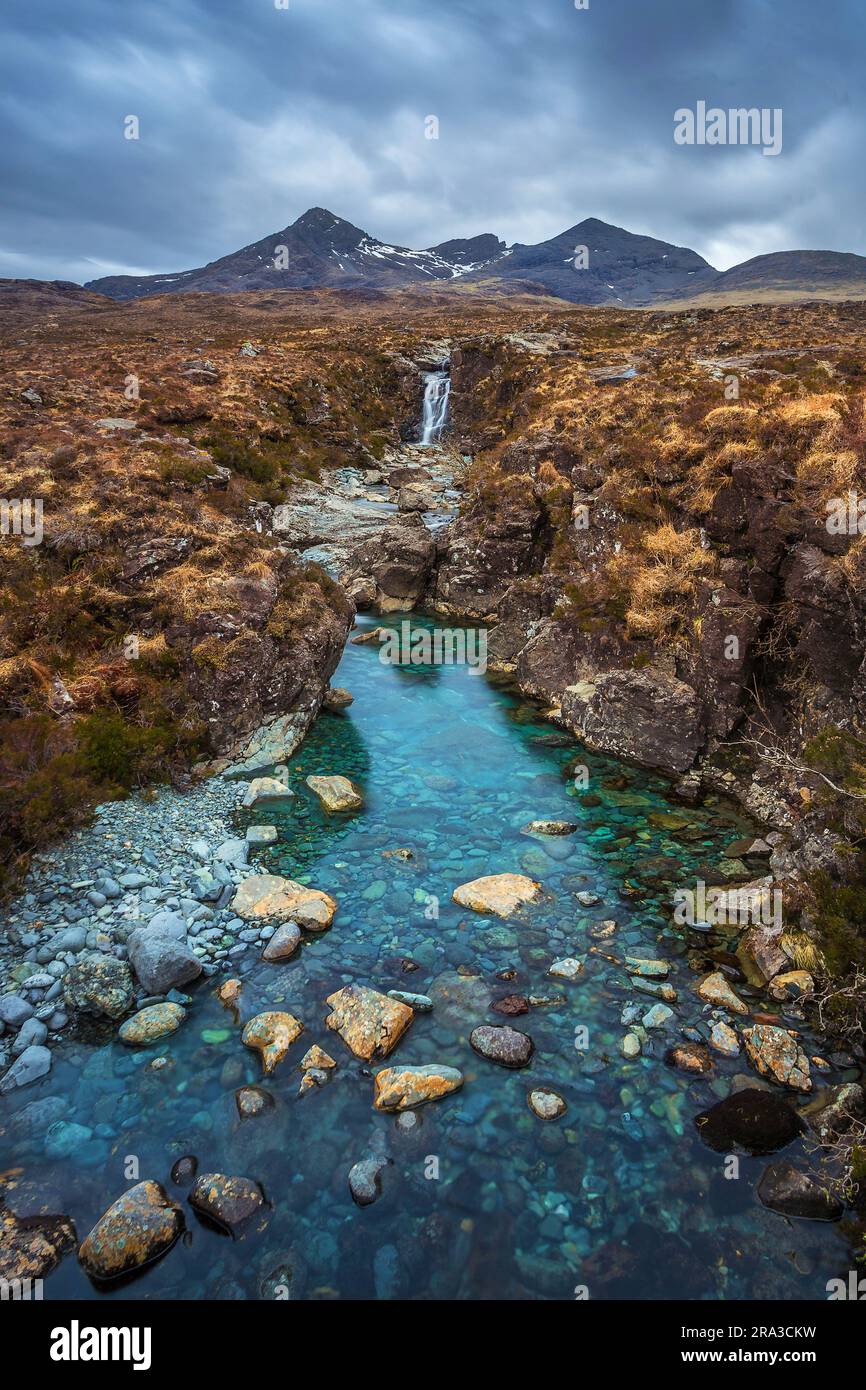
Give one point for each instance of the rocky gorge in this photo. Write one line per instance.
(609, 553)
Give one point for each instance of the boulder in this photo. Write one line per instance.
(283, 943)
(265, 789)
(774, 1052)
(32, 1246)
(365, 1179)
(252, 1101)
(99, 984)
(403, 1088)
(567, 969)
(690, 1057)
(161, 962)
(759, 1122)
(502, 1044)
(789, 1190)
(268, 895)
(33, 1063)
(271, 1034)
(832, 1112)
(229, 1202)
(760, 954)
(546, 1105)
(716, 990)
(646, 715)
(150, 1024)
(136, 1230)
(497, 894)
(370, 1024)
(336, 793)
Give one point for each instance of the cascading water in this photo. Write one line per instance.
(437, 389)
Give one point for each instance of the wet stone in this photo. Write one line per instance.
(758, 1122)
(137, 1229)
(230, 1202)
(502, 1044)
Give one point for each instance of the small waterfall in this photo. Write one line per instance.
(437, 389)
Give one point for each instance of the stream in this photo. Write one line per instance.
(481, 1199)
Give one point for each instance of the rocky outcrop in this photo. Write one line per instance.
(392, 571)
(647, 716)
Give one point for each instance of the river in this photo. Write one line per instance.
(618, 1198)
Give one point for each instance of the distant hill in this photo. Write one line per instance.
(787, 275)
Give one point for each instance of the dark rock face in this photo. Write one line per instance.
(499, 1043)
(269, 665)
(495, 543)
(647, 716)
(399, 562)
(757, 1121)
(788, 1190)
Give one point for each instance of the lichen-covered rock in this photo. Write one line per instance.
(792, 985)
(229, 1202)
(283, 943)
(716, 990)
(689, 1057)
(229, 992)
(252, 1101)
(271, 1034)
(156, 1021)
(723, 1039)
(403, 1088)
(99, 984)
(136, 1230)
(369, 1023)
(269, 895)
(774, 1052)
(266, 789)
(497, 894)
(500, 1043)
(546, 1105)
(647, 969)
(759, 1122)
(337, 698)
(32, 1246)
(315, 1058)
(646, 715)
(336, 793)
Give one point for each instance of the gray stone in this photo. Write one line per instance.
(31, 1034)
(14, 1010)
(161, 962)
(33, 1063)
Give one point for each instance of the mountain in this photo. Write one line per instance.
(590, 263)
(619, 266)
(319, 250)
(787, 275)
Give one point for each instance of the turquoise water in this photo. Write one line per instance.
(481, 1200)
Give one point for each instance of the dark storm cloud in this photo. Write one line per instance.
(547, 114)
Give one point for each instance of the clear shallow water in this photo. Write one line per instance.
(619, 1195)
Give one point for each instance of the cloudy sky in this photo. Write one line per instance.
(250, 113)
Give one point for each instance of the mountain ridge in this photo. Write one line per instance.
(592, 262)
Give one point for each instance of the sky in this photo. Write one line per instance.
(251, 111)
